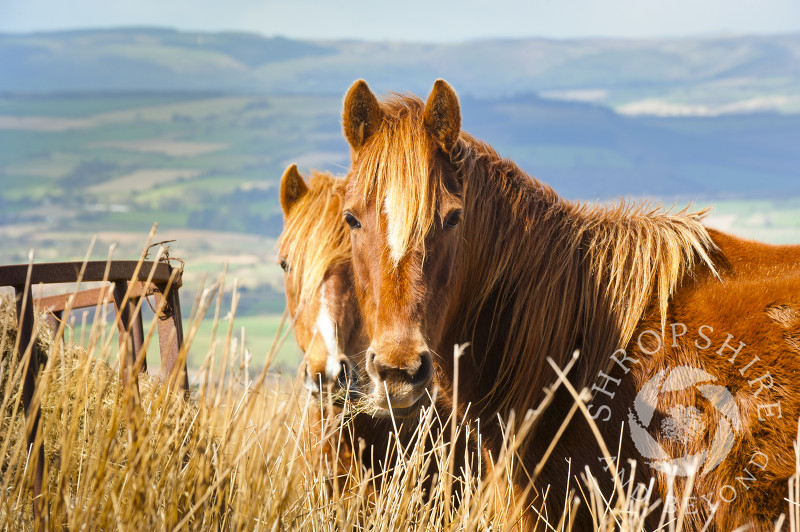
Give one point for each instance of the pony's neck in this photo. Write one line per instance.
(541, 276)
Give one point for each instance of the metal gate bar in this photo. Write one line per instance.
(164, 284)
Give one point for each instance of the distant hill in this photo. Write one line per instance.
(119, 126)
(700, 76)
(590, 152)
(215, 159)
(105, 132)
(141, 59)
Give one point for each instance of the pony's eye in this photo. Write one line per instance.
(452, 219)
(284, 265)
(352, 221)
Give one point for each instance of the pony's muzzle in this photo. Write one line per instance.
(399, 384)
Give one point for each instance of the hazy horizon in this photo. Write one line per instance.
(123, 27)
(418, 20)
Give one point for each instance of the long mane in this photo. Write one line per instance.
(557, 275)
(543, 274)
(314, 237)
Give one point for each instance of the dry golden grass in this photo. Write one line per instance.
(235, 455)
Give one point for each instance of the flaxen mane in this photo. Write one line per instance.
(566, 275)
(314, 239)
(560, 275)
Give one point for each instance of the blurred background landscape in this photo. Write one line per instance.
(106, 131)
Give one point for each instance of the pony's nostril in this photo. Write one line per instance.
(347, 377)
(373, 367)
(425, 370)
(416, 374)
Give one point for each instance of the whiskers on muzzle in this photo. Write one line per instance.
(339, 383)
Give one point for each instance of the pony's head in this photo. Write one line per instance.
(314, 251)
(403, 204)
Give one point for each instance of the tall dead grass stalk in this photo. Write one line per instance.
(237, 454)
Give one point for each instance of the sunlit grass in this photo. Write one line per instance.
(241, 452)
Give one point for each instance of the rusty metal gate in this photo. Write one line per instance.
(130, 281)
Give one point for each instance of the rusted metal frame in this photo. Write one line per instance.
(22, 277)
(55, 305)
(137, 335)
(90, 297)
(129, 320)
(68, 272)
(170, 331)
(130, 344)
(28, 354)
(159, 274)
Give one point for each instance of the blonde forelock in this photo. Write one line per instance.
(396, 163)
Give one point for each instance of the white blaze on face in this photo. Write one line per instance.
(393, 237)
(326, 329)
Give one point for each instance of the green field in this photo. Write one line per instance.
(261, 334)
(203, 167)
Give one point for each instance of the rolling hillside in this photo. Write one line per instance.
(211, 161)
(700, 76)
(103, 133)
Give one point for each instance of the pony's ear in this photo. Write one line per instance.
(443, 115)
(292, 188)
(362, 114)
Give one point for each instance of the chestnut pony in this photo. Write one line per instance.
(315, 254)
(678, 326)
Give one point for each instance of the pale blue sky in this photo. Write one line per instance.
(416, 20)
